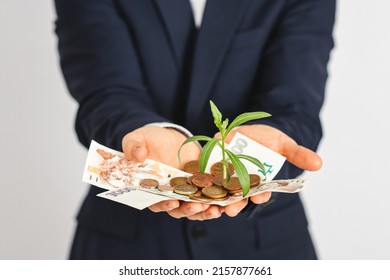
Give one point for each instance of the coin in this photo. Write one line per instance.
(189, 179)
(235, 191)
(214, 192)
(217, 180)
(192, 167)
(233, 184)
(149, 183)
(238, 193)
(200, 197)
(185, 189)
(178, 181)
(217, 168)
(165, 188)
(202, 180)
(254, 180)
(221, 198)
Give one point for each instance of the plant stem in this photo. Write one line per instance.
(224, 169)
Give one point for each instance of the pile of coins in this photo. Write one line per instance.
(203, 186)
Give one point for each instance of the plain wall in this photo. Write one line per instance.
(41, 160)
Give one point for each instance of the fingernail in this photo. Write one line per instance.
(138, 153)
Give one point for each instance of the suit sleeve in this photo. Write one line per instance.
(100, 65)
(293, 72)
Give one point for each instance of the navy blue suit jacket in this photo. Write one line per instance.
(133, 62)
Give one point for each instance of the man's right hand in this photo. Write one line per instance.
(162, 144)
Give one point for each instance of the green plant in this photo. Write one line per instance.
(225, 128)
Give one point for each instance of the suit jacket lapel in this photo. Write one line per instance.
(219, 23)
(178, 21)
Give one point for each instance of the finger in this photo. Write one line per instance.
(212, 212)
(299, 155)
(233, 209)
(261, 198)
(135, 150)
(187, 209)
(164, 206)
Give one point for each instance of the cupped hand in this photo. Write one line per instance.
(162, 144)
(279, 142)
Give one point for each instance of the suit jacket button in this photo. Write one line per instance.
(198, 232)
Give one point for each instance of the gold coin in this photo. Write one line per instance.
(221, 198)
(189, 179)
(236, 193)
(149, 183)
(185, 189)
(165, 188)
(178, 181)
(218, 180)
(217, 168)
(233, 184)
(202, 180)
(214, 192)
(192, 167)
(254, 180)
(200, 197)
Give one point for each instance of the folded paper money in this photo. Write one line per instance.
(110, 170)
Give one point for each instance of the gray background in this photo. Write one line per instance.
(41, 161)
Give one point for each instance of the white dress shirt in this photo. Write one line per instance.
(198, 10)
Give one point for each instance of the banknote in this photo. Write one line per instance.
(240, 144)
(110, 170)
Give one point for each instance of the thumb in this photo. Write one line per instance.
(134, 150)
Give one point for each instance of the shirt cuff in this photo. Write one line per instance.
(181, 129)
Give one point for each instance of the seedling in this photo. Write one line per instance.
(227, 156)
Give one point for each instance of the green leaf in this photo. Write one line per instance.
(193, 139)
(197, 138)
(255, 161)
(223, 127)
(217, 115)
(241, 171)
(206, 152)
(245, 117)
